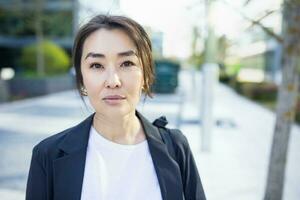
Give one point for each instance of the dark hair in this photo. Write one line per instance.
(134, 30)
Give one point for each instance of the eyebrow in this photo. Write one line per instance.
(121, 54)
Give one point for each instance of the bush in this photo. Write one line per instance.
(56, 59)
(235, 84)
(233, 67)
(263, 92)
(228, 72)
(224, 77)
(196, 60)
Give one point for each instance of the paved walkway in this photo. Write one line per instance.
(235, 168)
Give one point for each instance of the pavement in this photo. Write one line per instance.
(235, 168)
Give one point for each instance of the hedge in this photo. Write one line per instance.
(55, 58)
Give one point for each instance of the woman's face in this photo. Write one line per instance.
(112, 72)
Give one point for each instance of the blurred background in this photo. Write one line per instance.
(227, 74)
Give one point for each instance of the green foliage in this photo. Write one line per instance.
(232, 69)
(58, 24)
(263, 92)
(15, 22)
(196, 60)
(223, 75)
(19, 22)
(56, 59)
(229, 70)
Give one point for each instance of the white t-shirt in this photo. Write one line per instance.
(118, 172)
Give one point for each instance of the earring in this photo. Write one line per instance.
(83, 91)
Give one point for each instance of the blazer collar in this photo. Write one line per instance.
(70, 168)
(77, 137)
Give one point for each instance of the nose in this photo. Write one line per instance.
(112, 79)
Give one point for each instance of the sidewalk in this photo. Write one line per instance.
(235, 168)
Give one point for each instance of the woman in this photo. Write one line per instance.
(114, 154)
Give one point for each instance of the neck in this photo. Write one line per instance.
(120, 129)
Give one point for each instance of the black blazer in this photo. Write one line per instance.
(57, 165)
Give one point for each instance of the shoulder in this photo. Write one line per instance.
(72, 137)
(178, 138)
(50, 145)
(176, 135)
(53, 140)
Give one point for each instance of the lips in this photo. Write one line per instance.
(113, 100)
(114, 97)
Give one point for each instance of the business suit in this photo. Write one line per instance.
(57, 165)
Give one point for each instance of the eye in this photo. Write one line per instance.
(96, 65)
(127, 64)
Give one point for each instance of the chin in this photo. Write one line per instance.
(116, 111)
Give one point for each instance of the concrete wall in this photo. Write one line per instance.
(25, 87)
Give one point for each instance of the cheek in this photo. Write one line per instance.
(136, 83)
(86, 79)
(92, 81)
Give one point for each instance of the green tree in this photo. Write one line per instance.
(197, 58)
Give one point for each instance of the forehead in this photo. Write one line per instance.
(108, 42)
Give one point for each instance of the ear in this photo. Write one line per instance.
(83, 91)
(143, 84)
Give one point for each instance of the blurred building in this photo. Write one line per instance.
(156, 38)
(18, 25)
(258, 52)
(157, 43)
(260, 60)
(90, 8)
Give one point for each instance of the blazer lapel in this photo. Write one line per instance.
(167, 170)
(69, 169)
